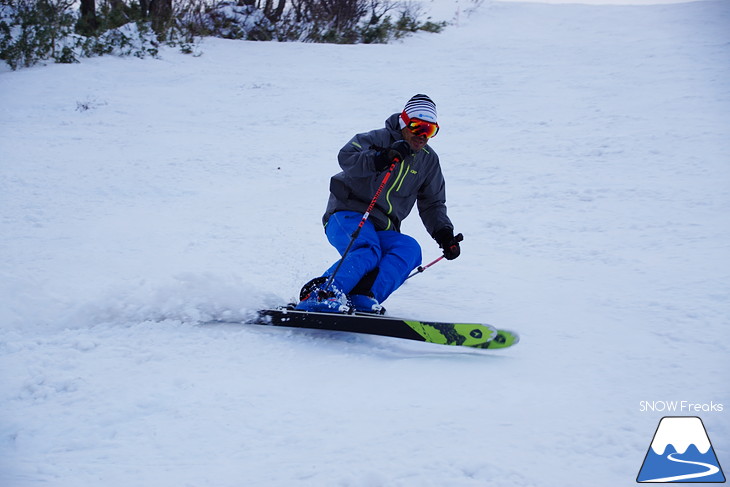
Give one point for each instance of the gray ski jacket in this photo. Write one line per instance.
(418, 179)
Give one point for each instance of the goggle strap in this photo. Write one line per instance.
(404, 116)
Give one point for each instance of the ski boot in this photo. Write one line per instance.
(366, 303)
(362, 298)
(314, 298)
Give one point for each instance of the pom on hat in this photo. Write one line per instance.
(420, 107)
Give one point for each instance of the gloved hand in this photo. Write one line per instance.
(448, 242)
(397, 152)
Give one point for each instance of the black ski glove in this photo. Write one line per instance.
(448, 242)
(397, 152)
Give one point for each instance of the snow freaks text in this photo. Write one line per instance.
(680, 407)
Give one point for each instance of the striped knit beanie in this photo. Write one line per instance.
(420, 107)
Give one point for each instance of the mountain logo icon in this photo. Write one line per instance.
(681, 452)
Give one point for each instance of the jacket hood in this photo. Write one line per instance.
(391, 123)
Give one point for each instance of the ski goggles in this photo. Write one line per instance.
(420, 127)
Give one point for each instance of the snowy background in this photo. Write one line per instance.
(587, 155)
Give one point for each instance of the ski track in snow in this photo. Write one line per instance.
(711, 470)
(586, 154)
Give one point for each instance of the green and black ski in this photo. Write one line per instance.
(475, 335)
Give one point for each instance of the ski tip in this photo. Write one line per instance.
(504, 339)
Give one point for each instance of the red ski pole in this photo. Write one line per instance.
(422, 268)
(365, 217)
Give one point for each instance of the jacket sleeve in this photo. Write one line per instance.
(432, 202)
(357, 157)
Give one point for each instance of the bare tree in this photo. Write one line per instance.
(88, 23)
(161, 13)
(274, 13)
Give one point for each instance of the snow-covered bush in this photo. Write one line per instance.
(132, 39)
(33, 31)
(340, 21)
(229, 20)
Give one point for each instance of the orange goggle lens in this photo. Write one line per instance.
(421, 127)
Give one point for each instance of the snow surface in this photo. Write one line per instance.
(587, 156)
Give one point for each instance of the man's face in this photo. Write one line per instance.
(417, 142)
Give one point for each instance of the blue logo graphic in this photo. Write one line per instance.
(681, 452)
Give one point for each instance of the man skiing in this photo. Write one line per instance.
(388, 170)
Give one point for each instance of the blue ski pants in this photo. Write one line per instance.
(393, 253)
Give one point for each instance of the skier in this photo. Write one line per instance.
(393, 168)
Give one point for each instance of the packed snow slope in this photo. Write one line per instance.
(587, 156)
